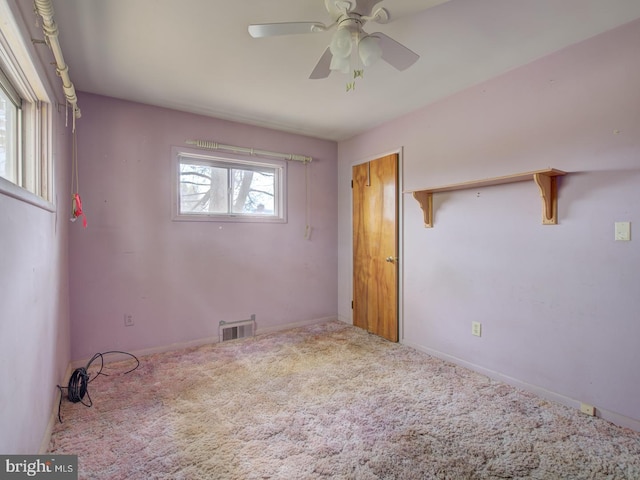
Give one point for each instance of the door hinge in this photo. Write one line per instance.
(351, 183)
(351, 304)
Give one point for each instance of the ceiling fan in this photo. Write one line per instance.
(351, 48)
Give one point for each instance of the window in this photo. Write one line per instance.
(228, 188)
(10, 120)
(25, 120)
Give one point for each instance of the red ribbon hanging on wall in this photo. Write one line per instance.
(76, 209)
(76, 201)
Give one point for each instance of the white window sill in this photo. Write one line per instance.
(11, 190)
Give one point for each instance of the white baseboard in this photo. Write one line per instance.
(621, 420)
(613, 417)
(115, 357)
(53, 418)
(289, 326)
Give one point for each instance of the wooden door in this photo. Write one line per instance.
(375, 246)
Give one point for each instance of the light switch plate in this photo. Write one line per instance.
(623, 231)
(476, 329)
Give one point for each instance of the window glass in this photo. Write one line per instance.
(203, 189)
(9, 128)
(229, 189)
(254, 191)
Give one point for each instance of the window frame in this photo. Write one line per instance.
(34, 183)
(228, 161)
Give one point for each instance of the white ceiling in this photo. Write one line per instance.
(197, 55)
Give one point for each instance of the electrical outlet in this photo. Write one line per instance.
(128, 320)
(476, 329)
(588, 409)
(623, 231)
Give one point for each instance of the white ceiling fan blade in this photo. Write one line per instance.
(285, 28)
(336, 8)
(394, 53)
(322, 69)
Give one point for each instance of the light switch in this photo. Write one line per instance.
(623, 231)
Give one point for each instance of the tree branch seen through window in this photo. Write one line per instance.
(220, 187)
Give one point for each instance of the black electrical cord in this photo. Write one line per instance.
(78, 384)
(80, 379)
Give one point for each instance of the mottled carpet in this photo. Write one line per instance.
(328, 402)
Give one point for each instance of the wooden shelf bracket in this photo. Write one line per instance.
(425, 199)
(549, 193)
(545, 179)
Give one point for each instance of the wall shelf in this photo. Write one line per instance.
(545, 179)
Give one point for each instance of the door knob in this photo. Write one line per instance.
(390, 259)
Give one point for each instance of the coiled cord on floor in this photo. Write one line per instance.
(78, 384)
(80, 379)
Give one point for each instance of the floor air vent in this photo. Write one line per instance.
(239, 329)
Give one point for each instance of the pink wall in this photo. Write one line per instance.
(34, 284)
(180, 279)
(558, 304)
(34, 307)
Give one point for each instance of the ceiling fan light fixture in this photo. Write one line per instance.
(340, 64)
(341, 43)
(369, 50)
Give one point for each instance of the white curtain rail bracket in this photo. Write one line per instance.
(211, 145)
(44, 8)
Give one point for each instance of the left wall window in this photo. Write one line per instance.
(25, 120)
(10, 128)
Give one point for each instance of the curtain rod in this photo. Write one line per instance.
(45, 10)
(248, 151)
